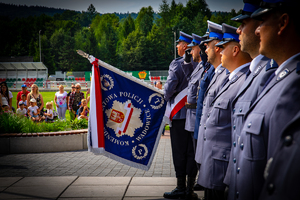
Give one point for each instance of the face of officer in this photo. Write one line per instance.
(268, 33)
(212, 51)
(249, 41)
(228, 53)
(181, 47)
(196, 53)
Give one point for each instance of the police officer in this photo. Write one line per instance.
(216, 126)
(260, 69)
(278, 102)
(214, 58)
(181, 140)
(194, 76)
(282, 170)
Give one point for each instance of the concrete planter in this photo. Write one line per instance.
(43, 142)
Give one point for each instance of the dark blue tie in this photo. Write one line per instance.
(268, 81)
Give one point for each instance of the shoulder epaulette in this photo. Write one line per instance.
(271, 65)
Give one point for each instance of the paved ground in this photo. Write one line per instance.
(82, 175)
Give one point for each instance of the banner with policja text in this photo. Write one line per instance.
(126, 116)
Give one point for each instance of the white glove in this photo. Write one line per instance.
(91, 58)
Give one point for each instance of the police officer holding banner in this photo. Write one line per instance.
(181, 140)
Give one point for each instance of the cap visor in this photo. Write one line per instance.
(192, 45)
(259, 12)
(240, 17)
(208, 40)
(220, 44)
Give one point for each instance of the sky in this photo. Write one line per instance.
(123, 6)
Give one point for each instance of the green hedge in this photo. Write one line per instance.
(12, 123)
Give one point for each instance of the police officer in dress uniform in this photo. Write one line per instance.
(194, 76)
(282, 172)
(214, 58)
(181, 140)
(217, 125)
(260, 69)
(209, 72)
(204, 81)
(278, 102)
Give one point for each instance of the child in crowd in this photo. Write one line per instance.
(33, 110)
(24, 99)
(48, 116)
(22, 110)
(83, 111)
(5, 109)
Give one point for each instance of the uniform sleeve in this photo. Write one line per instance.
(172, 81)
(187, 69)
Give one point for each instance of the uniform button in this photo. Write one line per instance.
(204, 104)
(224, 156)
(207, 115)
(288, 140)
(204, 127)
(271, 188)
(249, 125)
(238, 170)
(234, 160)
(202, 114)
(234, 127)
(234, 144)
(200, 124)
(237, 195)
(212, 104)
(241, 110)
(234, 110)
(204, 138)
(242, 146)
(219, 104)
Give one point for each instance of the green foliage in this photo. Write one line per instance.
(143, 41)
(20, 124)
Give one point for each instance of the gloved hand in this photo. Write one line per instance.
(202, 47)
(91, 58)
(188, 56)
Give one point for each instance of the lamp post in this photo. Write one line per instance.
(40, 45)
(175, 44)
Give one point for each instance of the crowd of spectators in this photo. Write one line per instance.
(31, 103)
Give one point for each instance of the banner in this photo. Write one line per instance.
(126, 116)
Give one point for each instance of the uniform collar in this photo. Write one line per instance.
(254, 62)
(218, 67)
(237, 70)
(285, 63)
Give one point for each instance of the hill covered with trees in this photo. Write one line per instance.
(129, 41)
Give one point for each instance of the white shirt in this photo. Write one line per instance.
(21, 112)
(285, 63)
(254, 62)
(232, 74)
(49, 111)
(33, 110)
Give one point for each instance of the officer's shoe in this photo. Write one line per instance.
(189, 194)
(179, 191)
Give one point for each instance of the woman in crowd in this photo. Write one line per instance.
(68, 97)
(60, 101)
(34, 94)
(6, 96)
